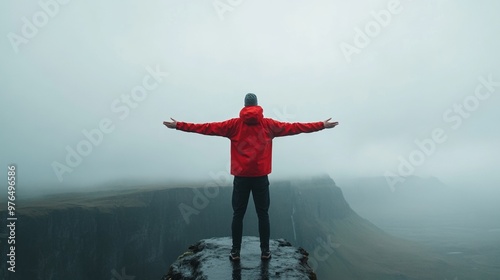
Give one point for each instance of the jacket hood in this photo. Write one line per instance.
(252, 114)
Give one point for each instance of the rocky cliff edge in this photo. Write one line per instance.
(208, 259)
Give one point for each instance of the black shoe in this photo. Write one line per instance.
(234, 255)
(266, 255)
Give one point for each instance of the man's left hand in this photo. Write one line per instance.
(329, 124)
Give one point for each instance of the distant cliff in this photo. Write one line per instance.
(208, 259)
(118, 234)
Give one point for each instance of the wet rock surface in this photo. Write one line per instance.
(209, 259)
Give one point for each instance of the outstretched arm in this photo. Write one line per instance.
(224, 128)
(285, 129)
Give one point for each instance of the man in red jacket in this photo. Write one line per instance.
(251, 138)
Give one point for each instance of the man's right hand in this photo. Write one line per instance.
(172, 124)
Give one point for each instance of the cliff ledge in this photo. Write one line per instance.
(209, 259)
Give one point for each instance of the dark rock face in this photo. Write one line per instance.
(209, 259)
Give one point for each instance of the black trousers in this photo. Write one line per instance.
(259, 187)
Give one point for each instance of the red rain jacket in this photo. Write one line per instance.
(251, 138)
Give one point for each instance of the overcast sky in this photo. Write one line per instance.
(391, 72)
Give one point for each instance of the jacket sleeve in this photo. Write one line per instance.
(283, 128)
(224, 129)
